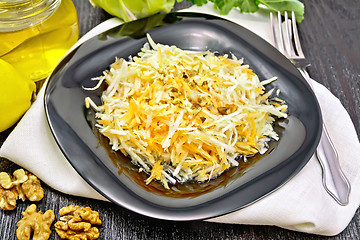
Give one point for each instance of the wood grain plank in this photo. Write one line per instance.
(330, 37)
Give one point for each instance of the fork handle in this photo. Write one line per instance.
(334, 180)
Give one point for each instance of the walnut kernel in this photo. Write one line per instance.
(21, 175)
(8, 198)
(36, 222)
(7, 182)
(32, 188)
(76, 223)
(22, 186)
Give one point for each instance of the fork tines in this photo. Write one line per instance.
(285, 35)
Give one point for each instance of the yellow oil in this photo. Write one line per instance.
(35, 51)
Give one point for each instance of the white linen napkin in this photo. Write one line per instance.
(302, 204)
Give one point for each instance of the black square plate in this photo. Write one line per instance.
(118, 180)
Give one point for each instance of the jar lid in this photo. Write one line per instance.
(19, 14)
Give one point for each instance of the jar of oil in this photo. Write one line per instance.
(35, 34)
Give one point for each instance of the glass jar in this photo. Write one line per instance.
(35, 34)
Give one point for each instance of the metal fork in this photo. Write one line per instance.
(286, 40)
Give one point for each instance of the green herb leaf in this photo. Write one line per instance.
(199, 2)
(247, 6)
(286, 5)
(224, 6)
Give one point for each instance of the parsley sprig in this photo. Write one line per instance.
(251, 6)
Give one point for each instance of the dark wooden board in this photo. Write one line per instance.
(330, 37)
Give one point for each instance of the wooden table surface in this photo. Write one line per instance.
(330, 37)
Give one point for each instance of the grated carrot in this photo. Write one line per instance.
(185, 115)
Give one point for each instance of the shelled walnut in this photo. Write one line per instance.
(7, 182)
(37, 222)
(76, 223)
(32, 189)
(8, 198)
(23, 185)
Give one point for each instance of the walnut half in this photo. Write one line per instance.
(22, 186)
(32, 189)
(7, 182)
(37, 222)
(76, 223)
(8, 198)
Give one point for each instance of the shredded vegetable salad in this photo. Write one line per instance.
(185, 115)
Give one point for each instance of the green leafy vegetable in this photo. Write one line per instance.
(286, 5)
(128, 10)
(250, 6)
(247, 6)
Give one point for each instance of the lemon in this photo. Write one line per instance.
(15, 95)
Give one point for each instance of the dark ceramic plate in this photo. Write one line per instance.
(117, 179)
